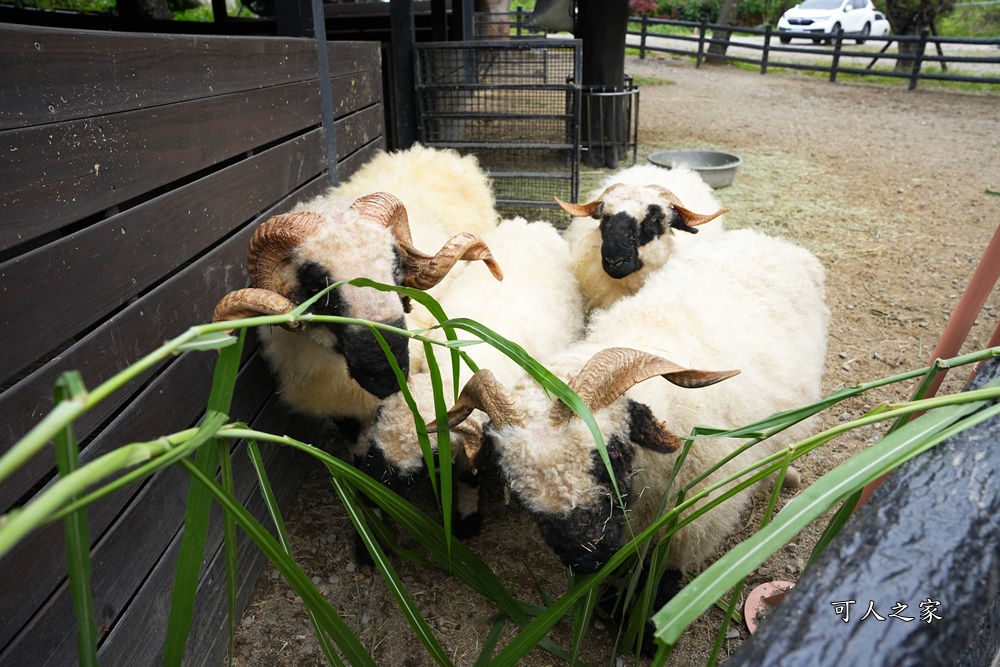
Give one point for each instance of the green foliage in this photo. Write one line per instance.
(110, 6)
(211, 482)
(970, 20)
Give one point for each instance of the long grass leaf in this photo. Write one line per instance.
(915, 437)
(389, 576)
(331, 623)
(77, 531)
(198, 512)
(271, 503)
(189, 559)
(491, 641)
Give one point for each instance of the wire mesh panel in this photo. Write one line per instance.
(515, 105)
(610, 120)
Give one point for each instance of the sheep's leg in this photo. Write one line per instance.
(467, 521)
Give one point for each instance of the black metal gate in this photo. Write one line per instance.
(515, 105)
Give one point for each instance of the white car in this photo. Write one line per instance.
(880, 25)
(825, 18)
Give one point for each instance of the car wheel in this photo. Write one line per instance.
(833, 31)
(864, 33)
(785, 40)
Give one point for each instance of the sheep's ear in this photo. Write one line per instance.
(688, 219)
(649, 432)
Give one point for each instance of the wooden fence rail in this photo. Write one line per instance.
(765, 53)
(758, 46)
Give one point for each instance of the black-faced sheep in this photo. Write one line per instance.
(634, 222)
(334, 370)
(538, 306)
(749, 302)
(445, 201)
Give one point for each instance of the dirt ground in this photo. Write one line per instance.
(892, 191)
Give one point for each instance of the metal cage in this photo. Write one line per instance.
(515, 105)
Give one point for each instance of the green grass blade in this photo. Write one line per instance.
(385, 568)
(331, 623)
(77, 531)
(189, 559)
(229, 542)
(583, 613)
(913, 438)
(271, 503)
(198, 512)
(491, 641)
(462, 562)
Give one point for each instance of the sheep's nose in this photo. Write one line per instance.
(367, 363)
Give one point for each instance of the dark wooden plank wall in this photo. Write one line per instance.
(135, 170)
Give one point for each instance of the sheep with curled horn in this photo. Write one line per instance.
(745, 301)
(551, 462)
(636, 221)
(340, 371)
(538, 306)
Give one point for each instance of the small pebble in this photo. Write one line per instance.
(247, 621)
(732, 633)
(365, 619)
(334, 579)
(598, 625)
(316, 580)
(351, 567)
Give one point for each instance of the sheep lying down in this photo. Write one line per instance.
(754, 304)
(334, 370)
(636, 220)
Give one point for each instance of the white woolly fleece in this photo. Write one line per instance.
(444, 193)
(538, 306)
(746, 302)
(584, 236)
(312, 379)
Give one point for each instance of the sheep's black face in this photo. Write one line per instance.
(587, 537)
(366, 362)
(622, 236)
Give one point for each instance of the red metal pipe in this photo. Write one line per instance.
(984, 279)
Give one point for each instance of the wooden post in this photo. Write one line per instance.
(915, 72)
(838, 42)
(767, 47)
(701, 42)
(642, 39)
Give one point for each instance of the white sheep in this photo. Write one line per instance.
(634, 222)
(332, 370)
(747, 302)
(538, 306)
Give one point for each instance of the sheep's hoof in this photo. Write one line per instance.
(793, 479)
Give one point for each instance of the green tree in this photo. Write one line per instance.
(910, 17)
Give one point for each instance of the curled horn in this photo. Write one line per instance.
(689, 218)
(472, 441)
(271, 246)
(613, 371)
(252, 302)
(587, 210)
(484, 392)
(420, 270)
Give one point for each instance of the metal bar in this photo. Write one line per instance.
(325, 92)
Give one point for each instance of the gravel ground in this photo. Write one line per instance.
(894, 192)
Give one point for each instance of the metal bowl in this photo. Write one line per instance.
(716, 168)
